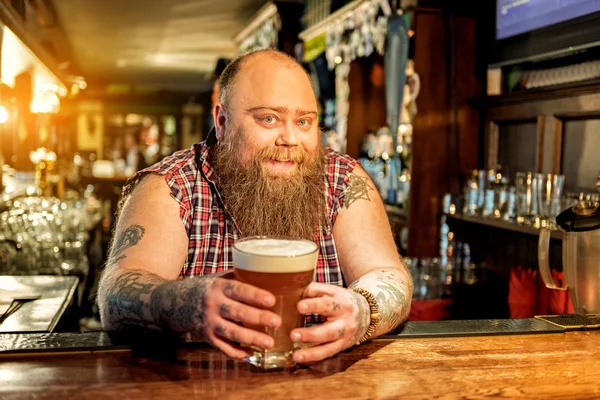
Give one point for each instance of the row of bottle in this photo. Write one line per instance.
(456, 257)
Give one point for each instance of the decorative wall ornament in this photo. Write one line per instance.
(264, 37)
(358, 33)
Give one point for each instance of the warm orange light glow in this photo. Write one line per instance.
(18, 58)
(3, 114)
(45, 99)
(411, 33)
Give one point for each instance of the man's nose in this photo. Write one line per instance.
(287, 136)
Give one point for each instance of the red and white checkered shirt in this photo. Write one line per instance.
(211, 231)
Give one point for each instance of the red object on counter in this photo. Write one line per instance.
(429, 310)
(522, 293)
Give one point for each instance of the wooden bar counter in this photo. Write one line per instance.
(551, 365)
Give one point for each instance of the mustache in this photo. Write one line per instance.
(294, 154)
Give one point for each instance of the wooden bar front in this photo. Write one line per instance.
(565, 365)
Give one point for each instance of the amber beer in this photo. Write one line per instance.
(284, 267)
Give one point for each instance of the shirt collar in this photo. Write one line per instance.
(207, 170)
(202, 160)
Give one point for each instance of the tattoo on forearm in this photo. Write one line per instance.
(136, 299)
(358, 189)
(363, 316)
(128, 300)
(388, 300)
(392, 293)
(183, 302)
(127, 239)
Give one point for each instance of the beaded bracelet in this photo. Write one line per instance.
(375, 315)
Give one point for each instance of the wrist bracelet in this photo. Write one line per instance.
(375, 315)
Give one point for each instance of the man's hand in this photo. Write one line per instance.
(348, 318)
(220, 308)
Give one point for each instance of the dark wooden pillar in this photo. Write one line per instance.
(445, 129)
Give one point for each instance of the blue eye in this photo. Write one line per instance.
(304, 123)
(269, 119)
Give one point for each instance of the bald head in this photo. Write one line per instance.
(262, 59)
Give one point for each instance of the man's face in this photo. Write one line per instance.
(269, 162)
(274, 107)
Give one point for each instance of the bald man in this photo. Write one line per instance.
(262, 171)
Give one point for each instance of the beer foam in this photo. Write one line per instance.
(275, 255)
(276, 247)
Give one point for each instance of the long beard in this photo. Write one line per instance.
(290, 205)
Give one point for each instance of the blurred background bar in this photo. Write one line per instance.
(497, 128)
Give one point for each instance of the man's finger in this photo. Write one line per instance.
(316, 289)
(248, 294)
(230, 350)
(236, 333)
(324, 333)
(324, 305)
(318, 353)
(239, 312)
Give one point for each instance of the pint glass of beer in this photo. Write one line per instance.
(284, 267)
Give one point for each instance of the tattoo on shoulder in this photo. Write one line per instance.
(127, 239)
(358, 189)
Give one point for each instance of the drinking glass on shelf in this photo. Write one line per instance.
(549, 193)
(500, 199)
(472, 195)
(509, 212)
(51, 236)
(481, 183)
(526, 192)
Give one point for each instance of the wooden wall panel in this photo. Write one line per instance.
(366, 102)
(431, 132)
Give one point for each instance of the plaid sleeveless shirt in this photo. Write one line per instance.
(210, 229)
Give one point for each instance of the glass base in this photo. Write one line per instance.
(271, 360)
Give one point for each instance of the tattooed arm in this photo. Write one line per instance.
(369, 260)
(368, 254)
(139, 287)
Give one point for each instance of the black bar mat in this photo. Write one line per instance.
(35, 342)
(572, 321)
(480, 327)
(94, 341)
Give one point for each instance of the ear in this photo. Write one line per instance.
(220, 118)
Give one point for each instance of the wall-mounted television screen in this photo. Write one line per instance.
(514, 17)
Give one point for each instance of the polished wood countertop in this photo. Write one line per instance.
(551, 365)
